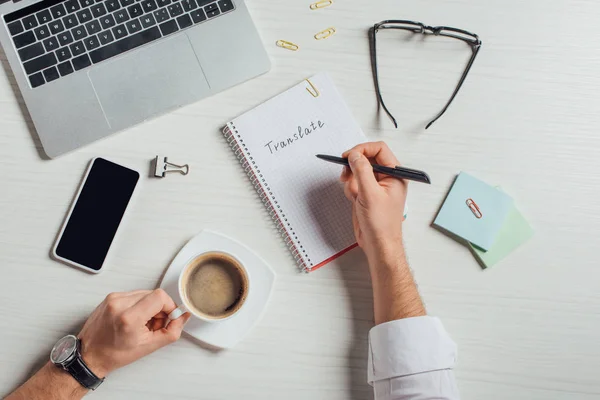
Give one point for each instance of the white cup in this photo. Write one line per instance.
(202, 259)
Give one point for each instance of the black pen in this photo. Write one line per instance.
(396, 172)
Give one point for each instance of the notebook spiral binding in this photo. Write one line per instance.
(238, 151)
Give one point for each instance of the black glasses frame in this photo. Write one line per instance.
(417, 27)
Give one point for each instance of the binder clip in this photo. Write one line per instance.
(162, 166)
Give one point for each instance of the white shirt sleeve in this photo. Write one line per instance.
(412, 359)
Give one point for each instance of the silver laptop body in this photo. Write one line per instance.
(89, 68)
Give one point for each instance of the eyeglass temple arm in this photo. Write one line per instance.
(372, 34)
(475, 48)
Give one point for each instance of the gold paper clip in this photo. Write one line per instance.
(474, 208)
(321, 4)
(287, 45)
(325, 34)
(314, 92)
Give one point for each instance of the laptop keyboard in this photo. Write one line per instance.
(55, 38)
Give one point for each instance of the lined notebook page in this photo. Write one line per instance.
(279, 139)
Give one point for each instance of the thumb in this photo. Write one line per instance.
(172, 332)
(363, 171)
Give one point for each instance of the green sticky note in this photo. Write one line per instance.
(514, 232)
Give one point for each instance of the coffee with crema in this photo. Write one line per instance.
(215, 285)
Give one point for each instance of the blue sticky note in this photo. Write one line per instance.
(458, 218)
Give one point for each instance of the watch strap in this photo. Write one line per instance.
(83, 374)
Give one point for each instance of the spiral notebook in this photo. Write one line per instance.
(276, 144)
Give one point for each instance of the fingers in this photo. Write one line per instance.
(346, 174)
(363, 172)
(120, 295)
(120, 302)
(377, 150)
(131, 298)
(172, 332)
(348, 193)
(136, 293)
(156, 323)
(176, 326)
(351, 189)
(124, 300)
(152, 304)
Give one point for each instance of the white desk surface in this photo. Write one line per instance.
(527, 119)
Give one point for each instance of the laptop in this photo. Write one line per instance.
(89, 68)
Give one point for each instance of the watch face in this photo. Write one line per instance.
(63, 349)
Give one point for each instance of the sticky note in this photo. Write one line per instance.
(456, 217)
(514, 232)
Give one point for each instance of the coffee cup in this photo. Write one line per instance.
(213, 286)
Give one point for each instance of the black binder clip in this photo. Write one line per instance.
(162, 166)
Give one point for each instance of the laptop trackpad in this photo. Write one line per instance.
(149, 81)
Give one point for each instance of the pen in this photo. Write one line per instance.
(396, 172)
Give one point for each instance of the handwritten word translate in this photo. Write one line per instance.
(275, 146)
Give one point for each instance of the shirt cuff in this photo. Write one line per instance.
(409, 346)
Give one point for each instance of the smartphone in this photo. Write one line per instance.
(94, 218)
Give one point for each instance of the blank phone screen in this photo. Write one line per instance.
(97, 214)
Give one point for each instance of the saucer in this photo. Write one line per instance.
(224, 334)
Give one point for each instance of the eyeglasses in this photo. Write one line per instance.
(417, 27)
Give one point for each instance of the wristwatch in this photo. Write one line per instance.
(66, 354)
